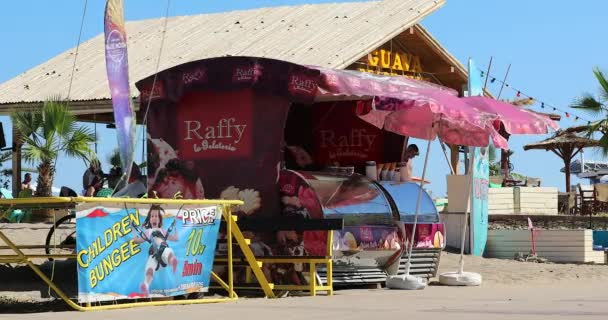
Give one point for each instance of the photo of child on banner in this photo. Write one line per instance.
(159, 253)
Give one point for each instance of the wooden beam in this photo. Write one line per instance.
(567, 173)
(557, 153)
(16, 163)
(454, 158)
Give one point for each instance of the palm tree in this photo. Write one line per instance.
(47, 133)
(597, 107)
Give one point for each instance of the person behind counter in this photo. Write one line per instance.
(297, 158)
(406, 171)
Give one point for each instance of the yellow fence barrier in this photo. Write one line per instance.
(50, 202)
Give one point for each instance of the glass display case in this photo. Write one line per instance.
(372, 212)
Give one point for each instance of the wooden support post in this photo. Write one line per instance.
(16, 163)
(455, 157)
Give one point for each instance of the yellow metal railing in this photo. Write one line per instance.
(75, 200)
(313, 286)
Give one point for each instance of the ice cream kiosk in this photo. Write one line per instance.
(266, 132)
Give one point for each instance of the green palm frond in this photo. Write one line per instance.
(77, 145)
(589, 104)
(598, 108)
(604, 145)
(31, 155)
(603, 83)
(114, 158)
(6, 156)
(58, 120)
(34, 154)
(27, 123)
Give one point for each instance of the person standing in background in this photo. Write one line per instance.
(92, 179)
(26, 183)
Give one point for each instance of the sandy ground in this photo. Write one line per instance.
(510, 289)
(568, 300)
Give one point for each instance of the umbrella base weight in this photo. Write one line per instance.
(405, 282)
(460, 279)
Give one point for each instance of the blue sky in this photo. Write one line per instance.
(552, 46)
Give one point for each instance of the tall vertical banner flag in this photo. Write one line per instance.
(117, 68)
(481, 177)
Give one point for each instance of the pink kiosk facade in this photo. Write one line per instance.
(267, 132)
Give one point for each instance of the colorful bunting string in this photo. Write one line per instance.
(543, 105)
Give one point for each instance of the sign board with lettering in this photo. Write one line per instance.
(144, 250)
(394, 63)
(341, 137)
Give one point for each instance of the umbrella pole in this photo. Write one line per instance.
(466, 211)
(445, 153)
(407, 281)
(461, 278)
(413, 237)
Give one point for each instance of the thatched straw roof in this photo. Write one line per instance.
(566, 144)
(577, 129)
(564, 138)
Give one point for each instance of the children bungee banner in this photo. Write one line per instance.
(144, 251)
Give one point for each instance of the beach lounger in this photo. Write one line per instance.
(497, 180)
(586, 198)
(600, 193)
(15, 215)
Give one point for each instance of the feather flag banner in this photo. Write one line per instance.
(117, 68)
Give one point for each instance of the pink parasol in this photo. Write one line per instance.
(515, 120)
(443, 116)
(412, 107)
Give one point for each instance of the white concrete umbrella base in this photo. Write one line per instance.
(460, 279)
(405, 282)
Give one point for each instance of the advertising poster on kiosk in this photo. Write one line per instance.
(216, 132)
(331, 134)
(218, 145)
(144, 251)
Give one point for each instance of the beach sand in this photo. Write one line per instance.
(501, 272)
